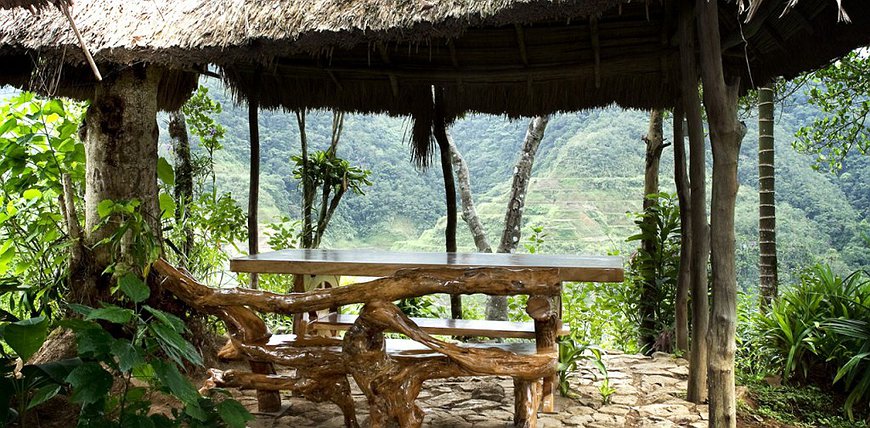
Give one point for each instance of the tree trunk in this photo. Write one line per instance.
(697, 385)
(440, 132)
(649, 296)
(121, 165)
(254, 186)
(681, 306)
(307, 186)
(496, 307)
(726, 133)
(767, 264)
(183, 177)
(469, 213)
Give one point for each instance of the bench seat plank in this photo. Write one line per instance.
(446, 327)
(407, 348)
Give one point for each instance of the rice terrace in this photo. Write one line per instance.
(439, 213)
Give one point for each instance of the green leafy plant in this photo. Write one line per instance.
(654, 270)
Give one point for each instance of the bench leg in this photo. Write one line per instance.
(267, 401)
(527, 399)
(548, 392)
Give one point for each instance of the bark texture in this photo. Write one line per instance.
(469, 213)
(183, 176)
(697, 385)
(726, 134)
(121, 165)
(681, 307)
(254, 186)
(496, 307)
(654, 140)
(767, 263)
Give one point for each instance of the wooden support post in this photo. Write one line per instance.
(726, 134)
(697, 385)
(267, 401)
(684, 279)
(254, 186)
(544, 310)
(440, 132)
(299, 323)
(527, 395)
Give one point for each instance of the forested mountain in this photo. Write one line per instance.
(587, 178)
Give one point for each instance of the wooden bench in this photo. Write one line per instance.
(446, 327)
(389, 372)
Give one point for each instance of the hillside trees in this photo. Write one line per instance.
(842, 92)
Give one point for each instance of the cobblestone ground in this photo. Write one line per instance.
(649, 393)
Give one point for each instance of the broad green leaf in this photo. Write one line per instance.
(175, 346)
(128, 356)
(165, 172)
(90, 383)
(233, 413)
(56, 371)
(44, 394)
(170, 377)
(105, 207)
(111, 313)
(25, 337)
(134, 288)
(31, 194)
(167, 205)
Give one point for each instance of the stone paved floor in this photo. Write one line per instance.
(648, 394)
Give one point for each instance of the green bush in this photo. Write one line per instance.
(816, 332)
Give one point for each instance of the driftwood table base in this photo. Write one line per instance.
(391, 377)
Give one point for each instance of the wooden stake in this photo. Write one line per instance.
(88, 57)
(254, 186)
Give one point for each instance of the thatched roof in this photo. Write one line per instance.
(29, 4)
(518, 57)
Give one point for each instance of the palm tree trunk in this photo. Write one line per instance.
(767, 264)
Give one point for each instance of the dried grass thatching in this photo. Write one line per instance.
(514, 57)
(32, 5)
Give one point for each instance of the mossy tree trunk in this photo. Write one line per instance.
(697, 385)
(767, 263)
(726, 134)
(121, 165)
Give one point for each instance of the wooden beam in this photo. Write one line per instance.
(521, 42)
(385, 57)
(334, 80)
(596, 49)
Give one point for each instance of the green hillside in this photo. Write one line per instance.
(588, 176)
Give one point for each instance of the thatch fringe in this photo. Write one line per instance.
(32, 5)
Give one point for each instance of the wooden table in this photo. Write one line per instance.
(386, 263)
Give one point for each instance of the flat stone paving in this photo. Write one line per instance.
(649, 393)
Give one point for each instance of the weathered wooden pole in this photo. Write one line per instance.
(767, 263)
(254, 185)
(183, 177)
(697, 385)
(726, 134)
(439, 131)
(684, 278)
